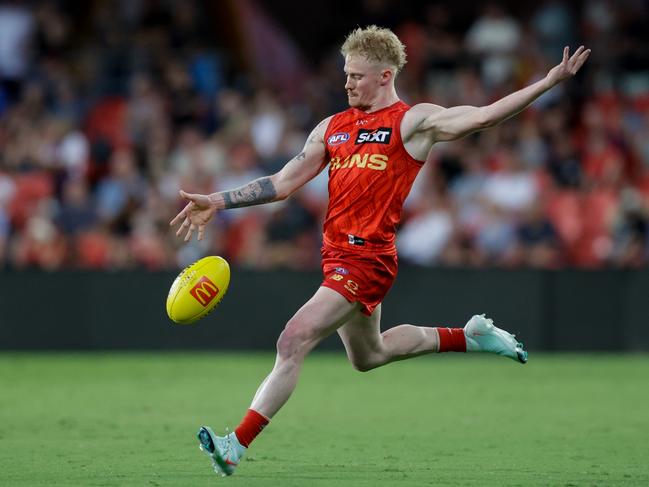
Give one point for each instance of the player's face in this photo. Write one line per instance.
(364, 80)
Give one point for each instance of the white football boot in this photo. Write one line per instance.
(225, 451)
(483, 336)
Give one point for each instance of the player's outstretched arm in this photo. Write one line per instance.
(443, 124)
(297, 172)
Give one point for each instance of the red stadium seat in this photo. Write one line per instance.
(92, 250)
(107, 120)
(597, 212)
(31, 189)
(564, 211)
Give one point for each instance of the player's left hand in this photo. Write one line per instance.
(568, 66)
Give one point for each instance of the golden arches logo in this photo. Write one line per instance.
(204, 291)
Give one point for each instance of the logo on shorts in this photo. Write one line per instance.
(337, 277)
(354, 240)
(338, 138)
(341, 270)
(351, 286)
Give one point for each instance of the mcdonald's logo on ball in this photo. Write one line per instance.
(198, 289)
(205, 291)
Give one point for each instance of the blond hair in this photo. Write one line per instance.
(376, 44)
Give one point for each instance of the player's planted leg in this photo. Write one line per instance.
(318, 318)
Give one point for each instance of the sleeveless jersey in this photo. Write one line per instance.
(370, 175)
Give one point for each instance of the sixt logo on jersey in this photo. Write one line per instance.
(338, 138)
(380, 135)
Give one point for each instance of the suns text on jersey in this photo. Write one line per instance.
(378, 162)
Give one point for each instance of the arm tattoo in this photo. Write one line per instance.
(258, 192)
(314, 135)
(301, 156)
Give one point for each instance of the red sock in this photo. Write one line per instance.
(451, 340)
(251, 425)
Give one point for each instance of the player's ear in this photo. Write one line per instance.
(387, 75)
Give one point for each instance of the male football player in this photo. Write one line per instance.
(373, 152)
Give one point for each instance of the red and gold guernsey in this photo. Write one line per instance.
(370, 176)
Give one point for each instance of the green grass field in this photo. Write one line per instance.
(130, 419)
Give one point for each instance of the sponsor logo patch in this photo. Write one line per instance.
(354, 240)
(338, 138)
(204, 291)
(364, 121)
(381, 135)
(337, 277)
(351, 286)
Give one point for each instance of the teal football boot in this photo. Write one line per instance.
(224, 451)
(483, 336)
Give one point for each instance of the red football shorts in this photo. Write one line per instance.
(364, 277)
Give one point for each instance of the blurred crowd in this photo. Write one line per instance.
(107, 109)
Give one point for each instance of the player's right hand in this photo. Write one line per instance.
(194, 215)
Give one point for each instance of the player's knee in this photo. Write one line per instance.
(287, 344)
(363, 364)
(293, 341)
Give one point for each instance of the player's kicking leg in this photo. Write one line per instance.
(317, 319)
(368, 348)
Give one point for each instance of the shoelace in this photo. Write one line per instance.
(228, 447)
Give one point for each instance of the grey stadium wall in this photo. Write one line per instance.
(549, 310)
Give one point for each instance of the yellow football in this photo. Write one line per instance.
(198, 289)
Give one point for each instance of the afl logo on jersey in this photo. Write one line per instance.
(338, 138)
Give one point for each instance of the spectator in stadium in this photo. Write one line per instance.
(493, 38)
(374, 151)
(538, 242)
